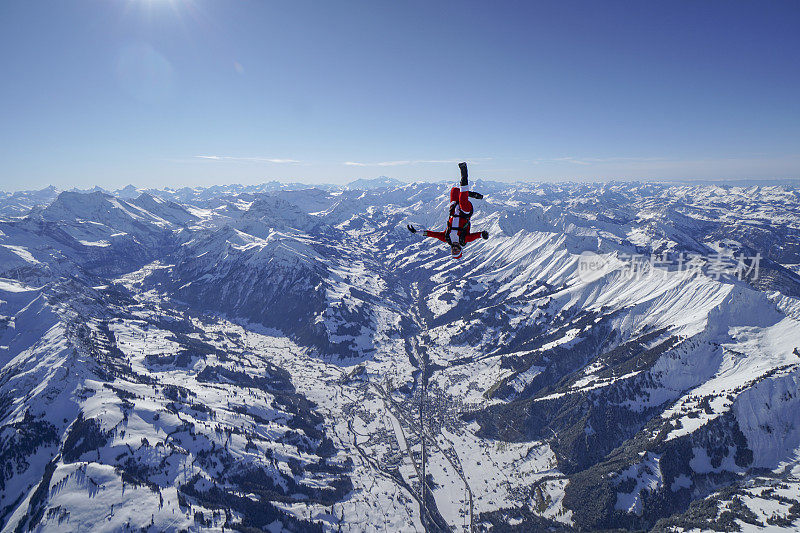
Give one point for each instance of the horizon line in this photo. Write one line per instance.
(697, 181)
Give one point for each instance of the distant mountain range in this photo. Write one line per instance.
(286, 357)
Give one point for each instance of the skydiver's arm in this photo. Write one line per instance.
(441, 235)
(473, 236)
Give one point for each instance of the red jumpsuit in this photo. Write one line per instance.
(458, 223)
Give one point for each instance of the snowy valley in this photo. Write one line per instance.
(285, 358)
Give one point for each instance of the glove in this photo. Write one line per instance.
(411, 228)
(476, 195)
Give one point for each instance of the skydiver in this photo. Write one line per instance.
(458, 234)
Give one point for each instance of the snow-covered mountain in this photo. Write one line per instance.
(615, 356)
(19, 203)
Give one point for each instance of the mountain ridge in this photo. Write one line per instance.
(286, 359)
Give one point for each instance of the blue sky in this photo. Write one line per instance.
(194, 92)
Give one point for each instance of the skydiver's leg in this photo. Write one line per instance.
(465, 184)
(464, 203)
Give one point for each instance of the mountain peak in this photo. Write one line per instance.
(380, 182)
(129, 191)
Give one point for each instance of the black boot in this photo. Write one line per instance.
(463, 168)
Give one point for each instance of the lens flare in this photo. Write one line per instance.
(144, 74)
